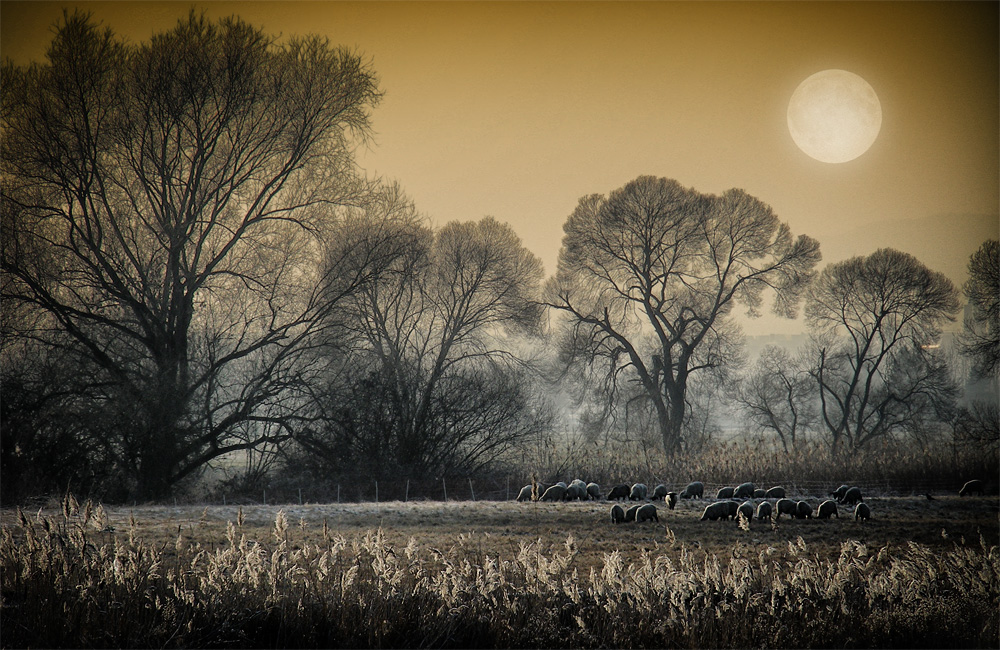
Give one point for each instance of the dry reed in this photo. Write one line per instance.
(74, 582)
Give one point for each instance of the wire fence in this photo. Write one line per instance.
(491, 488)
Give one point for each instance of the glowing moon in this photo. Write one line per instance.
(834, 116)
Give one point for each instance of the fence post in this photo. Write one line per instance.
(300, 496)
(376, 492)
(223, 498)
(406, 497)
(445, 486)
(265, 497)
(338, 492)
(472, 490)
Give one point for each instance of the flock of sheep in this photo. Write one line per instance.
(726, 505)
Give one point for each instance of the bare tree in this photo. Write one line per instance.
(433, 384)
(877, 319)
(648, 278)
(981, 339)
(169, 205)
(777, 395)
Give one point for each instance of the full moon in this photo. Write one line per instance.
(834, 116)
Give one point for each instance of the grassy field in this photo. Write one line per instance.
(460, 573)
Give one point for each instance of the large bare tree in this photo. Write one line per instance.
(433, 384)
(165, 207)
(877, 320)
(649, 276)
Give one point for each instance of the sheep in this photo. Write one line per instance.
(562, 484)
(745, 511)
(580, 484)
(827, 508)
(852, 496)
(717, 510)
(659, 492)
(734, 509)
(764, 510)
(671, 500)
(594, 491)
(575, 491)
(617, 514)
(975, 485)
(784, 507)
(862, 512)
(630, 513)
(724, 493)
(554, 493)
(759, 493)
(744, 491)
(803, 510)
(524, 494)
(646, 513)
(838, 494)
(618, 492)
(775, 493)
(694, 490)
(638, 492)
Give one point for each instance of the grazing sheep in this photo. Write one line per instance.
(575, 491)
(594, 491)
(694, 490)
(764, 510)
(617, 514)
(724, 493)
(838, 494)
(784, 507)
(659, 492)
(827, 508)
(630, 513)
(524, 494)
(717, 510)
(759, 493)
(803, 510)
(775, 493)
(734, 509)
(744, 491)
(554, 493)
(745, 511)
(618, 492)
(671, 500)
(638, 492)
(852, 496)
(562, 484)
(975, 485)
(862, 512)
(646, 513)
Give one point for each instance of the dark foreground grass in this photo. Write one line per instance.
(67, 584)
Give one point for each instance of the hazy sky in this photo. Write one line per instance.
(518, 109)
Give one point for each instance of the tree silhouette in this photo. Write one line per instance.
(981, 338)
(877, 318)
(648, 278)
(165, 206)
(431, 384)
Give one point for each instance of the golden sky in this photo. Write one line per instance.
(517, 109)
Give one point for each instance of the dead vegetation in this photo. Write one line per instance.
(461, 574)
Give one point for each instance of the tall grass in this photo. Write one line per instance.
(71, 582)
